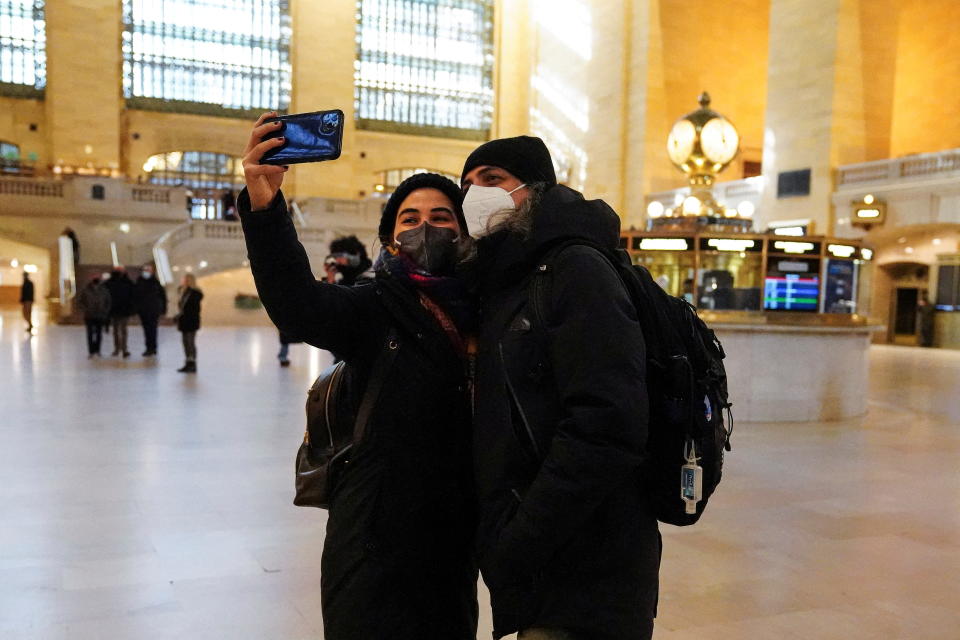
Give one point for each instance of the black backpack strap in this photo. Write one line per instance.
(378, 375)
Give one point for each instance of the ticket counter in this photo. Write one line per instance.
(785, 309)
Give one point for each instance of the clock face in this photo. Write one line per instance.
(719, 141)
(680, 141)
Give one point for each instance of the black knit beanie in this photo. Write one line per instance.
(525, 157)
(388, 219)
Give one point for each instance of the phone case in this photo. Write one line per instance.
(310, 137)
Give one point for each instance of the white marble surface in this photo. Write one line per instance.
(795, 374)
(139, 503)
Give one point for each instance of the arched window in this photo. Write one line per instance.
(425, 67)
(216, 57)
(23, 54)
(209, 177)
(389, 179)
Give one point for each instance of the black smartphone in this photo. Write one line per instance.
(310, 137)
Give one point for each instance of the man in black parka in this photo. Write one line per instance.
(567, 544)
(150, 300)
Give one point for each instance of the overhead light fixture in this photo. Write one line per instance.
(937, 241)
(908, 250)
(203, 264)
(14, 263)
(124, 227)
(868, 199)
(841, 250)
(794, 247)
(866, 254)
(746, 209)
(664, 244)
(30, 268)
(691, 206)
(730, 244)
(655, 209)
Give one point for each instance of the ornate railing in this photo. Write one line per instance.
(924, 165)
(31, 187)
(151, 194)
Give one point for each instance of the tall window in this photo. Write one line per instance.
(219, 57)
(23, 55)
(208, 176)
(425, 67)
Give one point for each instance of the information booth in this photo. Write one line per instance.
(785, 309)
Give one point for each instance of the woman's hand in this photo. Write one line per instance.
(263, 180)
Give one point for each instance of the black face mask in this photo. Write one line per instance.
(434, 249)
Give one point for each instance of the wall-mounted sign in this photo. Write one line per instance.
(793, 183)
(869, 214)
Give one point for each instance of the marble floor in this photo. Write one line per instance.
(136, 502)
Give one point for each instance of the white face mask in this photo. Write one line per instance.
(482, 202)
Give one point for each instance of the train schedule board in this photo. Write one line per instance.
(792, 285)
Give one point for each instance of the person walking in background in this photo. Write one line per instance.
(121, 288)
(925, 310)
(188, 320)
(26, 300)
(94, 302)
(151, 302)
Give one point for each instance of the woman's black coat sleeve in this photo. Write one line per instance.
(327, 316)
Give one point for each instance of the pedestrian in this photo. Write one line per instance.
(348, 263)
(925, 321)
(568, 545)
(188, 320)
(26, 300)
(397, 556)
(151, 301)
(94, 302)
(284, 354)
(122, 307)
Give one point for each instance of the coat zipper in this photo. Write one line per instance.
(516, 403)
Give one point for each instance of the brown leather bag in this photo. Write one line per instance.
(331, 429)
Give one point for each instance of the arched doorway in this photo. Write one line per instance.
(906, 283)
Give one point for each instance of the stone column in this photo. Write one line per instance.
(83, 96)
(815, 104)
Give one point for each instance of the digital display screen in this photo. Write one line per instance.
(791, 292)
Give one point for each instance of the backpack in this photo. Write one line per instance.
(335, 422)
(686, 388)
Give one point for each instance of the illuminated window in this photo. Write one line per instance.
(217, 57)
(425, 67)
(23, 55)
(208, 176)
(389, 180)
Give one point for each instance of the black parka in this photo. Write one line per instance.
(188, 317)
(566, 538)
(150, 298)
(398, 555)
(120, 287)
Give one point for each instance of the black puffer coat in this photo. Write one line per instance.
(188, 317)
(566, 538)
(120, 287)
(398, 555)
(149, 297)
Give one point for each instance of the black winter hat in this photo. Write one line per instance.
(525, 157)
(388, 219)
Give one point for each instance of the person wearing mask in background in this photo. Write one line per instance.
(151, 302)
(348, 263)
(120, 287)
(26, 300)
(188, 320)
(397, 556)
(567, 542)
(94, 302)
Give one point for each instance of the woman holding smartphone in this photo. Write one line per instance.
(398, 558)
